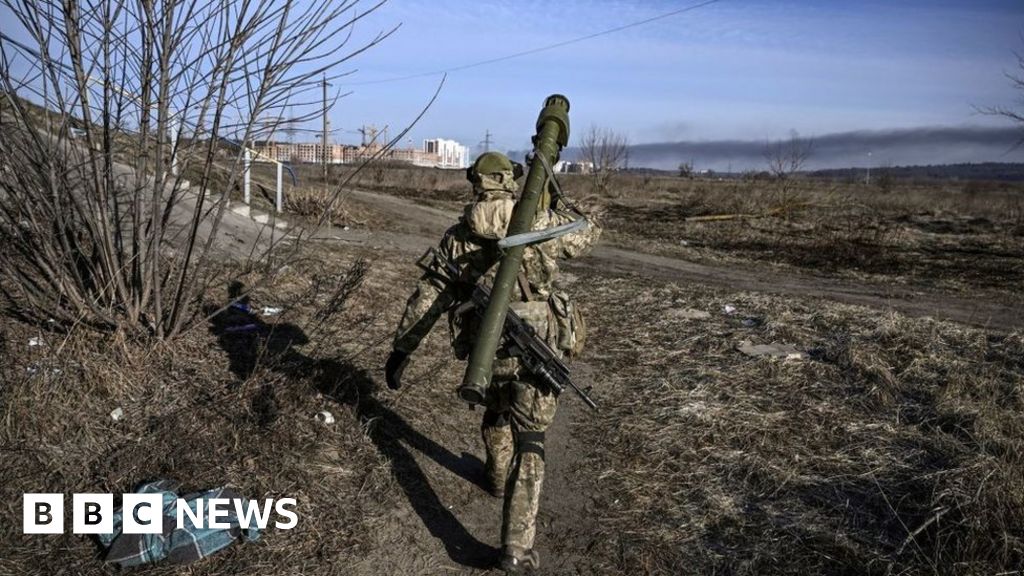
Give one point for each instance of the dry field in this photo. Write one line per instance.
(925, 234)
(894, 447)
(958, 236)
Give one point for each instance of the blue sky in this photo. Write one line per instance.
(734, 70)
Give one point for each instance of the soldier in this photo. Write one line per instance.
(518, 409)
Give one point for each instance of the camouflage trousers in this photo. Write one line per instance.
(517, 416)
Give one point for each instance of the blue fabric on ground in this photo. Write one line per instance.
(179, 546)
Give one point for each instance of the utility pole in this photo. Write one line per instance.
(325, 150)
(487, 142)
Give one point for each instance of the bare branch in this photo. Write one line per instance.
(93, 213)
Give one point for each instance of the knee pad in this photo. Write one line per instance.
(530, 441)
(496, 419)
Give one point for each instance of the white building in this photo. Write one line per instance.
(450, 153)
(567, 167)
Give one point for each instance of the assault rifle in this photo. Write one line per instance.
(520, 337)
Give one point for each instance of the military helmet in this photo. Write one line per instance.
(493, 163)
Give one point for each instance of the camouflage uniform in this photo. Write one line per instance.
(518, 410)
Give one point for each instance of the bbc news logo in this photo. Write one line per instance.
(144, 513)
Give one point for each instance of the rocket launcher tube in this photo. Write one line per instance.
(552, 135)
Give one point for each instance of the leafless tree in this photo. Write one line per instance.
(606, 151)
(99, 228)
(1017, 81)
(787, 157)
(686, 170)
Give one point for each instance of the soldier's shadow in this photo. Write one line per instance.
(250, 341)
(394, 437)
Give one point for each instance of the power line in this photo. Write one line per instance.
(540, 49)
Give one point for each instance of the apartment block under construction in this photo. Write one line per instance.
(436, 153)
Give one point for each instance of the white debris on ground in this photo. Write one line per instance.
(783, 351)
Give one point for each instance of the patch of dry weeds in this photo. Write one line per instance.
(895, 449)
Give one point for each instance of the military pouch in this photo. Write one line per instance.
(571, 328)
(535, 314)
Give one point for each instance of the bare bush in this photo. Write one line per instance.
(686, 170)
(784, 159)
(105, 108)
(315, 203)
(787, 157)
(606, 151)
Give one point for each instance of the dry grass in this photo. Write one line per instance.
(930, 235)
(317, 204)
(895, 450)
(207, 409)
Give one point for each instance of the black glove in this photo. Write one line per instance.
(394, 368)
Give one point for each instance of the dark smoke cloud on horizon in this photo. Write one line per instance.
(899, 147)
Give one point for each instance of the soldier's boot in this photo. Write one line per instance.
(497, 435)
(516, 561)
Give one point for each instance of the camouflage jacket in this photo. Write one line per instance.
(472, 245)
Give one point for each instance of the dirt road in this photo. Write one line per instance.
(419, 227)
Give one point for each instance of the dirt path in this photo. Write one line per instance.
(446, 523)
(420, 226)
(908, 300)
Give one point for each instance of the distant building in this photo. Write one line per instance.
(299, 153)
(435, 153)
(450, 153)
(566, 167)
